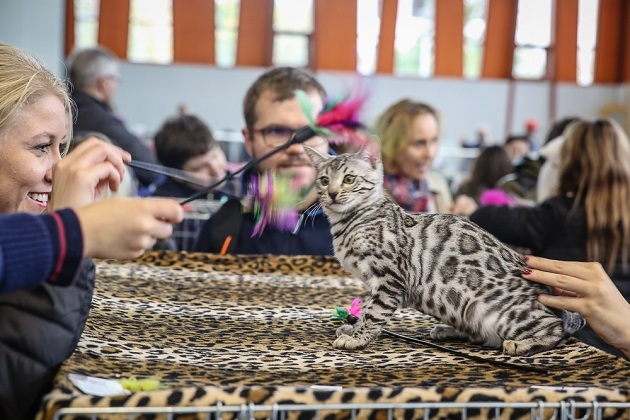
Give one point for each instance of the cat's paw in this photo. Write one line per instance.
(345, 329)
(445, 332)
(349, 343)
(510, 347)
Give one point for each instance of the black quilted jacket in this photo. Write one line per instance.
(39, 330)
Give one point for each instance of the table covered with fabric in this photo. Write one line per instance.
(258, 329)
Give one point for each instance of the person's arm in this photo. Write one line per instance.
(124, 227)
(527, 227)
(584, 287)
(34, 249)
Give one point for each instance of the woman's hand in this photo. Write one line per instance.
(584, 287)
(85, 174)
(125, 227)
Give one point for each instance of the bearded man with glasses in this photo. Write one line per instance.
(272, 114)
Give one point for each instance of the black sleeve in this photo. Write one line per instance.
(527, 227)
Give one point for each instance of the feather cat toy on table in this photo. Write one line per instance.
(440, 264)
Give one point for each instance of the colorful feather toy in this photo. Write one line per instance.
(350, 315)
(339, 120)
(273, 198)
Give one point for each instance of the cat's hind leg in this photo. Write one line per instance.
(530, 346)
(547, 337)
(446, 332)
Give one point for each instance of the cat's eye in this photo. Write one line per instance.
(324, 181)
(349, 179)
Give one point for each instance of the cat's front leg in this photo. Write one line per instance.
(377, 310)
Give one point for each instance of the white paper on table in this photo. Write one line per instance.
(98, 386)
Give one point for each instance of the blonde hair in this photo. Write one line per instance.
(23, 81)
(395, 129)
(595, 169)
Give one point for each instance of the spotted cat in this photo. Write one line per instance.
(440, 264)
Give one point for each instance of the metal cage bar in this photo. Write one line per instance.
(562, 410)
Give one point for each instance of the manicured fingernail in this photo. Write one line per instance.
(526, 272)
(526, 258)
(186, 207)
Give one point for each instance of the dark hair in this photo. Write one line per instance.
(558, 127)
(283, 81)
(181, 139)
(492, 164)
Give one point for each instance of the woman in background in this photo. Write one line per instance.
(410, 137)
(588, 219)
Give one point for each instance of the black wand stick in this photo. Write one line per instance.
(300, 136)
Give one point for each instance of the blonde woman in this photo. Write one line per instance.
(40, 325)
(409, 132)
(588, 218)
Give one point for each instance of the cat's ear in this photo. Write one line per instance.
(371, 151)
(315, 156)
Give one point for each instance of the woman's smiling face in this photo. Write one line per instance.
(28, 151)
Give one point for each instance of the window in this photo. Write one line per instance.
(533, 36)
(226, 14)
(151, 31)
(414, 39)
(475, 15)
(85, 23)
(292, 26)
(588, 11)
(368, 27)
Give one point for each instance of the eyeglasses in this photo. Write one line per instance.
(277, 135)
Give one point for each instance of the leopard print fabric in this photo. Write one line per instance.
(240, 329)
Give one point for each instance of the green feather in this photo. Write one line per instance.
(307, 106)
(339, 313)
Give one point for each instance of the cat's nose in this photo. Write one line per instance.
(332, 195)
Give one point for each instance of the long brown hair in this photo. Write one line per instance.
(595, 169)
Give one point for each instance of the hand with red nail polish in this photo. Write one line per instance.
(584, 287)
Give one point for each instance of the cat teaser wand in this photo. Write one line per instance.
(337, 121)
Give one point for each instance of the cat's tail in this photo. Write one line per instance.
(572, 321)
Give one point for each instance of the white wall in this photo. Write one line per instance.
(36, 26)
(150, 93)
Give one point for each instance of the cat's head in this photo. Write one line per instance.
(347, 181)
